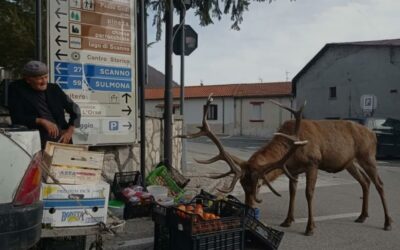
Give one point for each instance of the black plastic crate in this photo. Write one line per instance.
(161, 237)
(160, 214)
(138, 210)
(220, 240)
(257, 234)
(229, 217)
(123, 180)
(127, 179)
(63, 243)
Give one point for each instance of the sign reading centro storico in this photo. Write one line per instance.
(92, 58)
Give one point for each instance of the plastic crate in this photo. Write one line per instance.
(160, 214)
(138, 210)
(127, 179)
(161, 176)
(193, 224)
(63, 243)
(123, 180)
(220, 240)
(161, 237)
(257, 234)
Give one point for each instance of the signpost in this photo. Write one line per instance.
(92, 58)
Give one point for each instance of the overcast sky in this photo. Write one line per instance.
(276, 40)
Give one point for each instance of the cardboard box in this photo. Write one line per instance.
(73, 175)
(50, 146)
(53, 191)
(88, 206)
(77, 158)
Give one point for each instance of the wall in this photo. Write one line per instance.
(194, 113)
(354, 71)
(272, 116)
(127, 158)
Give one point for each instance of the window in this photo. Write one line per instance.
(256, 114)
(212, 112)
(332, 92)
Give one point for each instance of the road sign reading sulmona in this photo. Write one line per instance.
(190, 40)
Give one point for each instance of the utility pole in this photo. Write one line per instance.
(142, 65)
(182, 89)
(169, 12)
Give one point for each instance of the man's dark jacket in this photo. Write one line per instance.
(23, 106)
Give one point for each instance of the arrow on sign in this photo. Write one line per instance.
(126, 96)
(129, 125)
(58, 13)
(58, 1)
(58, 68)
(58, 81)
(129, 110)
(59, 41)
(59, 54)
(58, 27)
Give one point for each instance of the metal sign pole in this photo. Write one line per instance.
(168, 82)
(38, 33)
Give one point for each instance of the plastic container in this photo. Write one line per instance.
(165, 201)
(187, 196)
(161, 176)
(227, 239)
(157, 191)
(116, 207)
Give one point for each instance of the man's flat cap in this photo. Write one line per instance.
(35, 68)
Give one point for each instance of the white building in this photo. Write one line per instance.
(237, 109)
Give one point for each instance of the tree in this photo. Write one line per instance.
(206, 10)
(17, 42)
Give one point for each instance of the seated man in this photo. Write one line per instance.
(38, 105)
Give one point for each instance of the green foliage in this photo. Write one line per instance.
(206, 10)
(17, 39)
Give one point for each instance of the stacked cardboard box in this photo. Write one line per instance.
(79, 197)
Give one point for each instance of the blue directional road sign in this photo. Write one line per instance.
(95, 77)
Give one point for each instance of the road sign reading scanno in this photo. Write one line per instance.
(91, 56)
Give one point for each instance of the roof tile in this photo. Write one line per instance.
(227, 90)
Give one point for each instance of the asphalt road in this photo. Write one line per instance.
(337, 202)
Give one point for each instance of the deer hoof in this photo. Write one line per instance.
(286, 223)
(388, 228)
(309, 233)
(361, 219)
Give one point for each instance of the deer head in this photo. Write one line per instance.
(264, 165)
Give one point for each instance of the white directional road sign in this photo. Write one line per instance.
(92, 58)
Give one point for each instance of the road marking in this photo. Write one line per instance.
(328, 217)
(137, 242)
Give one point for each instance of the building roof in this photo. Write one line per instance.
(226, 90)
(156, 79)
(376, 43)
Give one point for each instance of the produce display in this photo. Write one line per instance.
(199, 219)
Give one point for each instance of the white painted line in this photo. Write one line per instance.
(328, 217)
(137, 242)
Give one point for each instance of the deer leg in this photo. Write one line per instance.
(292, 192)
(364, 182)
(311, 180)
(369, 166)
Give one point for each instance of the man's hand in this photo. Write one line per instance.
(66, 135)
(51, 128)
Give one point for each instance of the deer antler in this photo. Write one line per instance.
(295, 143)
(223, 155)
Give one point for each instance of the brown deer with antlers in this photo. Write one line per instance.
(304, 146)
